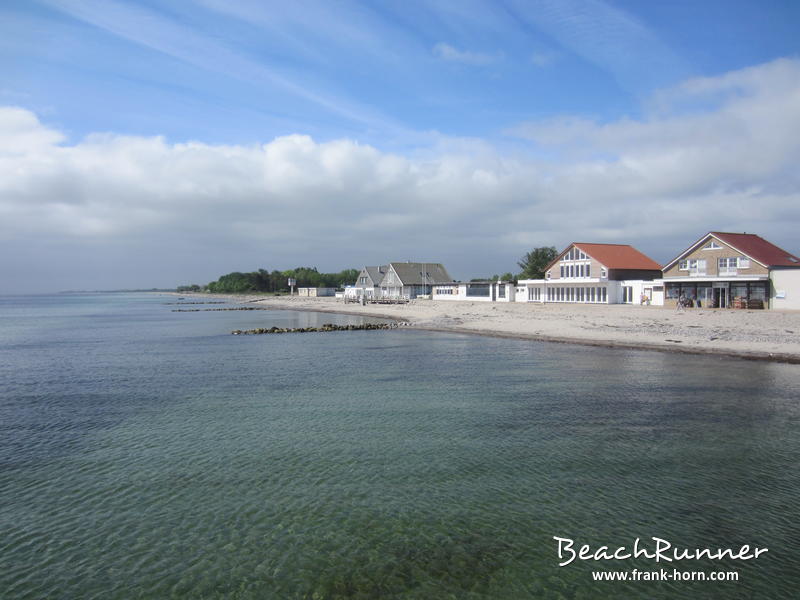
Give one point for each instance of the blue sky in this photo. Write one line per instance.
(187, 139)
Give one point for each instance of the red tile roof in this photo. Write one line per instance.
(616, 256)
(758, 248)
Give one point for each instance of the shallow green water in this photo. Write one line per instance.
(150, 454)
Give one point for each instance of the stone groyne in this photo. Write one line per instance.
(325, 327)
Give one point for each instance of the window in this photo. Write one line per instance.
(627, 294)
(603, 272)
(478, 289)
(562, 271)
(547, 275)
(588, 270)
(712, 245)
(501, 290)
(534, 294)
(604, 294)
(695, 266)
(729, 265)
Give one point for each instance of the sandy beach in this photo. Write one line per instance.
(754, 334)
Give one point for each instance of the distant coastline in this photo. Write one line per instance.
(163, 290)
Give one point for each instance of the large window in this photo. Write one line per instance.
(478, 290)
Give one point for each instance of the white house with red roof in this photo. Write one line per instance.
(587, 273)
(734, 270)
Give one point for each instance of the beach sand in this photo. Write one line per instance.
(754, 334)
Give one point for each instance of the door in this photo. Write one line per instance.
(720, 297)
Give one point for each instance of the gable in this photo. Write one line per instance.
(709, 247)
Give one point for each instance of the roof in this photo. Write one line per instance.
(411, 273)
(614, 256)
(751, 245)
(758, 248)
(376, 273)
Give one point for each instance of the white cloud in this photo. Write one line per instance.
(658, 182)
(449, 53)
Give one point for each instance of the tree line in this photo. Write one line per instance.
(533, 265)
(274, 281)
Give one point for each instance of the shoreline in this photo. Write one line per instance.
(745, 334)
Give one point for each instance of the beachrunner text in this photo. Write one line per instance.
(661, 551)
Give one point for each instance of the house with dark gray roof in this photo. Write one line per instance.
(368, 282)
(412, 279)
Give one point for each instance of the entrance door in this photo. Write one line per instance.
(720, 298)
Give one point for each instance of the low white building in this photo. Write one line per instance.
(313, 292)
(481, 291)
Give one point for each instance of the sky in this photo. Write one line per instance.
(167, 142)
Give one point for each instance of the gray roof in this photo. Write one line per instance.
(412, 273)
(376, 273)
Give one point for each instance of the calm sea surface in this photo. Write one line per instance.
(146, 453)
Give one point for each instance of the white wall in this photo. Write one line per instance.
(460, 293)
(785, 282)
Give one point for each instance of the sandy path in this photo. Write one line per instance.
(759, 334)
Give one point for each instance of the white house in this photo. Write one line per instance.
(368, 283)
(596, 274)
(409, 280)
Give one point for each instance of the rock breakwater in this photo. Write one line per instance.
(325, 327)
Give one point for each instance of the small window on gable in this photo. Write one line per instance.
(683, 265)
(712, 245)
(744, 263)
(547, 275)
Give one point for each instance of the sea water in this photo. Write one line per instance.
(146, 453)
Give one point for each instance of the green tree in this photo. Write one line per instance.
(534, 262)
